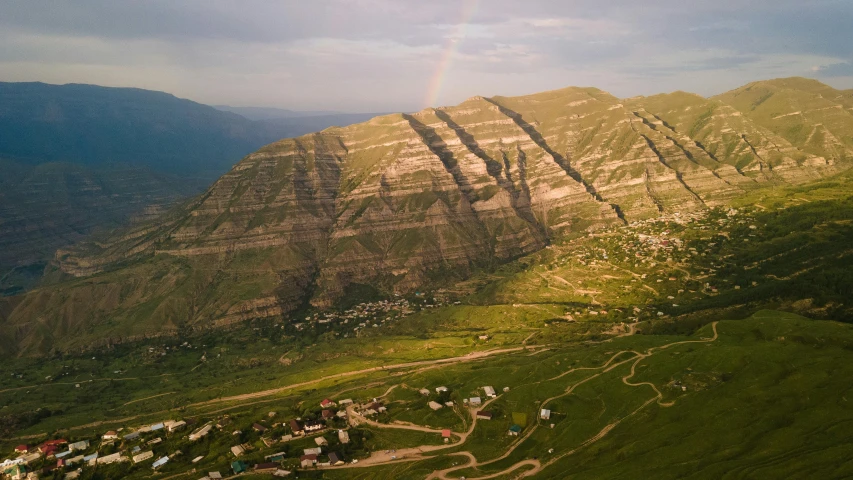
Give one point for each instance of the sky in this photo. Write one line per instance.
(404, 55)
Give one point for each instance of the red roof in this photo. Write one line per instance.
(325, 402)
(48, 450)
(59, 441)
(308, 457)
(328, 413)
(22, 448)
(445, 433)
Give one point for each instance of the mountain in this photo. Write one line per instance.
(410, 201)
(297, 126)
(93, 125)
(47, 206)
(80, 157)
(272, 113)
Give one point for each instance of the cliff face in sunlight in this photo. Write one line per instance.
(402, 200)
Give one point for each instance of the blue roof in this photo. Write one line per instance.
(131, 436)
(90, 457)
(157, 426)
(159, 463)
(63, 454)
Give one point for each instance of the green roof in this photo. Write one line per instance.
(238, 466)
(515, 428)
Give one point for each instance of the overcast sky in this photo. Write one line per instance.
(402, 55)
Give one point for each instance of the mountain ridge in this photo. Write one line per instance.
(404, 201)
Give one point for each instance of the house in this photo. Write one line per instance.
(201, 432)
(490, 392)
(155, 441)
(238, 466)
(198, 459)
(48, 450)
(296, 428)
(81, 445)
(143, 456)
(424, 391)
(449, 404)
(320, 441)
(275, 457)
(281, 473)
(107, 459)
(545, 414)
(22, 449)
(483, 337)
(30, 457)
(484, 415)
(266, 467)
(326, 413)
(343, 436)
(175, 426)
(90, 459)
(63, 454)
(475, 401)
(341, 414)
(441, 389)
(377, 406)
(445, 433)
(346, 401)
(308, 460)
(314, 425)
(286, 438)
(268, 441)
(514, 430)
(134, 435)
(214, 475)
(16, 472)
(159, 462)
(312, 451)
(156, 426)
(238, 450)
(326, 403)
(506, 389)
(335, 459)
(434, 405)
(259, 428)
(56, 443)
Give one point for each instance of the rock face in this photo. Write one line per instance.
(403, 200)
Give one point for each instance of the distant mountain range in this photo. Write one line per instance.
(405, 201)
(77, 157)
(271, 113)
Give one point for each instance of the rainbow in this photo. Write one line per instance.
(453, 43)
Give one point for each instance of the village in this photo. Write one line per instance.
(368, 315)
(267, 446)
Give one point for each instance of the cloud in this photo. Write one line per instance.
(381, 54)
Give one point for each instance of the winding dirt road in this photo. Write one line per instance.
(606, 367)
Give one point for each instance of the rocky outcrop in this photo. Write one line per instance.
(406, 200)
